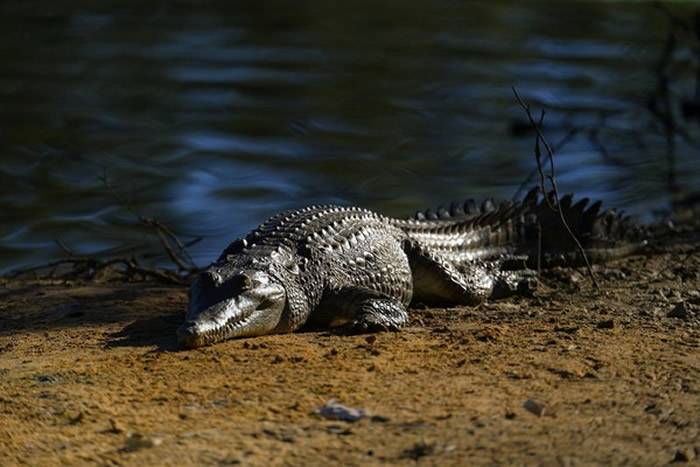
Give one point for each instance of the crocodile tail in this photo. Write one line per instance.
(471, 230)
(532, 227)
(603, 235)
(456, 210)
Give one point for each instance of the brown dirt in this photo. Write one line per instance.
(89, 373)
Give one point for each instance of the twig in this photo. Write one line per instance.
(125, 204)
(173, 247)
(63, 247)
(551, 178)
(528, 180)
(89, 267)
(181, 258)
(92, 266)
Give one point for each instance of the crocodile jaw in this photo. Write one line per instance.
(251, 313)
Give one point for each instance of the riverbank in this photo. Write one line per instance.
(90, 373)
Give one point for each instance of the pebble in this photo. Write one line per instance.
(606, 324)
(681, 456)
(137, 441)
(420, 449)
(338, 430)
(610, 273)
(534, 407)
(332, 410)
(48, 378)
(679, 311)
(575, 277)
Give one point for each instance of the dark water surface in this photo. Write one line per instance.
(211, 116)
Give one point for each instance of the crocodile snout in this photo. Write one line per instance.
(187, 335)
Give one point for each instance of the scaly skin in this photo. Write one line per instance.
(347, 266)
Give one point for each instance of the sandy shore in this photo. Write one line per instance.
(90, 374)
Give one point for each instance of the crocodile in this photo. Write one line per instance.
(343, 266)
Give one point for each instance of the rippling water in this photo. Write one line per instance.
(211, 116)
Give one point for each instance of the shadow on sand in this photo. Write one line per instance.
(149, 314)
(158, 331)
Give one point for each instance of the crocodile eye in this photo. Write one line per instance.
(239, 283)
(210, 279)
(236, 247)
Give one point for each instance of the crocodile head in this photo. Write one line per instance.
(227, 303)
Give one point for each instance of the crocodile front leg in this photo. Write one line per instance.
(359, 310)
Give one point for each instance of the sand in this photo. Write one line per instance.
(90, 373)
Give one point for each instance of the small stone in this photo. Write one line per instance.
(575, 277)
(510, 415)
(332, 410)
(420, 449)
(338, 430)
(138, 441)
(679, 311)
(371, 339)
(534, 407)
(610, 273)
(606, 324)
(48, 378)
(681, 456)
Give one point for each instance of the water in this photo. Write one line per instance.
(211, 116)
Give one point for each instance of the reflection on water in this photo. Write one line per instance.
(212, 116)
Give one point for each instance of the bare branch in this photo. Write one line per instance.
(552, 180)
(88, 268)
(173, 247)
